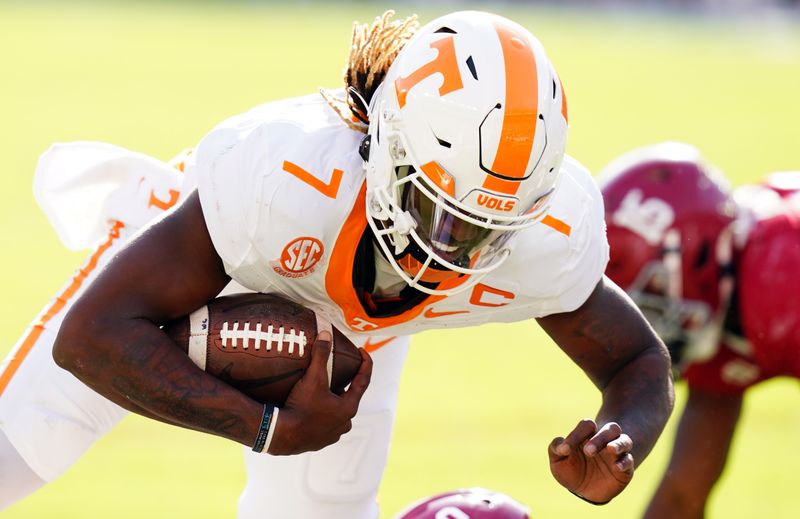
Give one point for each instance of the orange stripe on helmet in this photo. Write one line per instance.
(521, 107)
(440, 178)
(500, 185)
(16, 358)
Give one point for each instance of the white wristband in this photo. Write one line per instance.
(272, 424)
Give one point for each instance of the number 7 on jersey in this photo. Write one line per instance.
(331, 189)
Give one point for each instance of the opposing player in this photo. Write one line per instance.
(715, 272)
(468, 503)
(432, 193)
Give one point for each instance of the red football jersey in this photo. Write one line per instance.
(768, 287)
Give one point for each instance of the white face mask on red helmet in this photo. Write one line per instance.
(670, 219)
(466, 137)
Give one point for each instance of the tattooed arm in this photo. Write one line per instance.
(110, 339)
(616, 348)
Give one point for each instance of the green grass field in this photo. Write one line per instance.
(477, 407)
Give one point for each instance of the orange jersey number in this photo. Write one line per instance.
(331, 189)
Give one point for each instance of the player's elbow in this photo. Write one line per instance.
(654, 357)
(72, 349)
(68, 346)
(661, 366)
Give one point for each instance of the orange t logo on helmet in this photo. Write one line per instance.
(445, 63)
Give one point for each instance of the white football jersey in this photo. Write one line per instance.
(283, 192)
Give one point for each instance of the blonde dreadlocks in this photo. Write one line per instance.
(372, 50)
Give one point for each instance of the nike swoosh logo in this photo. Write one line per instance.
(430, 313)
(252, 383)
(370, 346)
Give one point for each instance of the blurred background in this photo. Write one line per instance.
(477, 407)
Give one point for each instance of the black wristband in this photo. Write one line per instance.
(263, 429)
(595, 503)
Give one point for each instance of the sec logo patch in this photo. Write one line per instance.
(299, 258)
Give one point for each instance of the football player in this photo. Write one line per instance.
(715, 273)
(432, 192)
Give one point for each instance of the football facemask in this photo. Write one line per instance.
(433, 238)
(687, 327)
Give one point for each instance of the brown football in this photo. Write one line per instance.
(260, 344)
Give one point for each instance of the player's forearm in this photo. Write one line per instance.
(640, 398)
(139, 368)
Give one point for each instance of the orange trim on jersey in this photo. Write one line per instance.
(563, 101)
(58, 305)
(370, 346)
(559, 225)
(445, 63)
(331, 189)
(521, 107)
(440, 178)
(477, 295)
(412, 267)
(339, 274)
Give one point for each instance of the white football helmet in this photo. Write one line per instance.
(466, 136)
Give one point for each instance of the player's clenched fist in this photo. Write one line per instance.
(314, 417)
(593, 464)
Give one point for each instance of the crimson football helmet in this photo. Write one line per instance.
(670, 219)
(471, 503)
(466, 137)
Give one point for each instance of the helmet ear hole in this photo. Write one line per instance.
(363, 148)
